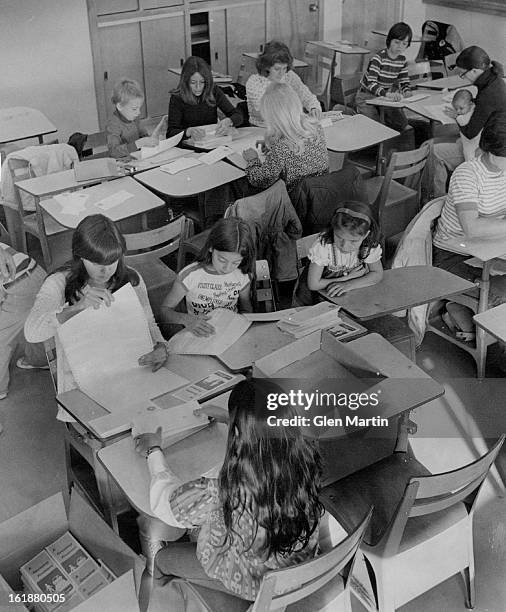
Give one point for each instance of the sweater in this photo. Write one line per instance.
(383, 72)
(182, 115)
(491, 97)
(122, 134)
(255, 89)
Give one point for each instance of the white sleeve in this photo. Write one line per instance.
(41, 324)
(374, 255)
(163, 483)
(255, 89)
(308, 99)
(319, 254)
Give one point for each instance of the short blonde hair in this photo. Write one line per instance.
(126, 90)
(284, 116)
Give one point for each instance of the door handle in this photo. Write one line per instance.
(313, 7)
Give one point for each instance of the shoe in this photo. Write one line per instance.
(3, 395)
(21, 363)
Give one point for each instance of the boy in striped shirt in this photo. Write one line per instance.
(387, 75)
(20, 281)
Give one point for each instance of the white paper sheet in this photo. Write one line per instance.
(215, 155)
(114, 200)
(72, 203)
(229, 327)
(163, 145)
(269, 316)
(436, 111)
(183, 163)
(384, 101)
(102, 348)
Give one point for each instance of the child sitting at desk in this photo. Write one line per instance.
(220, 278)
(89, 280)
(196, 101)
(260, 513)
(124, 130)
(387, 75)
(463, 105)
(346, 256)
(296, 146)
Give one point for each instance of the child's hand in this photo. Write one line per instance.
(147, 141)
(224, 126)
(395, 96)
(213, 412)
(94, 297)
(156, 358)
(250, 154)
(199, 326)
(407, 93)
(450, 111)
(316, 113)
(145, 441)
(196, 133)
(337, 289)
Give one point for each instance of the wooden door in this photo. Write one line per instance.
(121, 53)
(163, 47)
(294, 22)
(245, 32)
(108, 7)
(218, 41)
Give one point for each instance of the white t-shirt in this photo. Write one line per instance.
(337, 263)
(207, 290)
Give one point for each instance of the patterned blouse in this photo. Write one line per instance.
(240, 563)
(283, 163)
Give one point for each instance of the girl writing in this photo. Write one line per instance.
(296, 145)
(346, 256)
(219, 278)
(260, 513)
(196, 101)
(89, 280)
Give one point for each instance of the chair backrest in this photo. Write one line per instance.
(303, 246)
(430, 494)
(4, 235)
(405, 167)
(283, 587)
(264, 295)
(451, 64)
(321, 67)
(156, 243)
(20, 170)
(419, 72)
(344, 89)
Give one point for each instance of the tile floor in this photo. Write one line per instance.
(31, 459)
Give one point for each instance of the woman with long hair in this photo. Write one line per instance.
(97, 269)
(195, 102)
(260, 513)
(296, 145)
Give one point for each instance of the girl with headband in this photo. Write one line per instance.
(346, 256)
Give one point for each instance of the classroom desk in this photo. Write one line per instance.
(400, 288)
(451, 82)
(342, 455)
(493, 321)
(21, 122)
(142, 201)
(340, 46)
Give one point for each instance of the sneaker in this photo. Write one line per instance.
(21, 363)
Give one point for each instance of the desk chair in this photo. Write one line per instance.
(39, 223)
(144, 253)
(322, 583)
(415, 248)
(343, 91)
(396, 203)
(320, 72)
(83, 469)
(421, 532)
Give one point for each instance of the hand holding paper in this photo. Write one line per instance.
(145, 441)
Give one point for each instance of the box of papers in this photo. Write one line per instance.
(73, 555)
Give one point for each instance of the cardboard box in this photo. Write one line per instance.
(23, 536)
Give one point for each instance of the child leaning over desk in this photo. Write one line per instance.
(220, 278)
(125, 133)
(346, 256)
(387, 75)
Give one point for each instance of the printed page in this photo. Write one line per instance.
(103, 347)
(229, 327)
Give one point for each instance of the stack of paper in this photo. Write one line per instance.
(310, 319)
(228, 328)
(64, 568)
(183, 163)
(177, 422)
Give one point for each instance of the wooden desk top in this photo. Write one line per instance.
(130, 470)
(20, 122)
(451, 82)
(355, 133)
(84, 409)
(341, 46)
(193, 181)
(483, 248)
(493, 321)
(51, 184)
(142, 201)
(401, 288)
